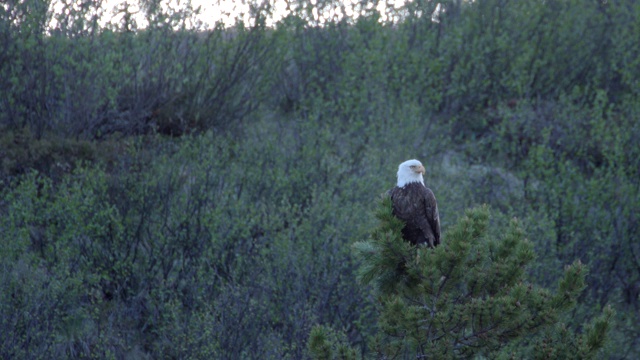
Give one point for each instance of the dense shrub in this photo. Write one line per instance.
(230, 239)
(171, 260)
(466, 298)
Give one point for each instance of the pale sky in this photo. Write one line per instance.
(217, 10)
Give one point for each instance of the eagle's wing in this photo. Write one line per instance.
(431, 207)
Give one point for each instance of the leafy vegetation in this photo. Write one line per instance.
(170, 191)
(467, 298)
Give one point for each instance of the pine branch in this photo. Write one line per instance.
(469, 295)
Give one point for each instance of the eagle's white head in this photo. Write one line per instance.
(410, 171)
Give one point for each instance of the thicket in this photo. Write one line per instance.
(468, 298)
(171, 191)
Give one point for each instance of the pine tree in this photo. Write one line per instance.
(467, 298)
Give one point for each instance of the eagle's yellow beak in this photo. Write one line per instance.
(420, 169)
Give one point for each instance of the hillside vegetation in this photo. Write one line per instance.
(179, 192)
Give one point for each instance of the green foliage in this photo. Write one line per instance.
(579, 167)
(79, 80)
(384, 257)
(469, 297)
(324, 343)
(154, 260)
(136, 245)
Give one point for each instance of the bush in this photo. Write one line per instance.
(466, 298)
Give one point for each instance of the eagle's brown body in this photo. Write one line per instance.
(416, 205)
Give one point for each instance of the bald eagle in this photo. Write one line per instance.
(416, 205)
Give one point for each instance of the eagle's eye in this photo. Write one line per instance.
(412, 166)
